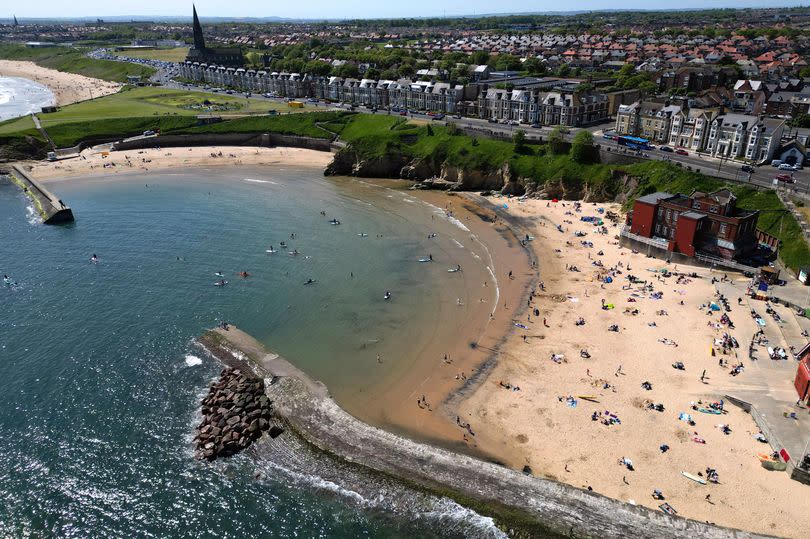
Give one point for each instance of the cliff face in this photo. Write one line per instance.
(431, 175)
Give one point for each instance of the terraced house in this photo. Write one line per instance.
(740, 135)
(547, 108)
(690, 128)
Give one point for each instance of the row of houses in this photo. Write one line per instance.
(713, 131)
(403, 93)
(543, 107)
(535, 101)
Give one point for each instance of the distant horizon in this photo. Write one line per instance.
(320, 10)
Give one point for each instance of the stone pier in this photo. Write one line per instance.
(52, 210)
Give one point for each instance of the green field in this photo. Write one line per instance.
(167, 55)
(144, 103)
(72, 60)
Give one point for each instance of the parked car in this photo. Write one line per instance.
(797, 167)
(785, 166)
(148, 133)
(535, 126)
(787, 178)
(680, 151)
(747, 168)
(666, 149)
(776, 162)
(403, 113)
(438, 116)
(492, 120)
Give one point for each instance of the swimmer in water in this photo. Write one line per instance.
(94, 258)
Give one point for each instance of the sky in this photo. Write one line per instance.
(319, 9)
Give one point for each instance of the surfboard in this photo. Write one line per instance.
(220, 284)
(694, 478)
(425, 260)
(587, 398)
(452, 270)
(709, 411)
(271, 251)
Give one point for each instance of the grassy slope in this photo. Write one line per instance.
(74, 61)
(286, 124)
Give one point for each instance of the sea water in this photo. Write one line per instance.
(100, 377)
(19, 97)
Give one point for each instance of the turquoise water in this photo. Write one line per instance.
(100, 377)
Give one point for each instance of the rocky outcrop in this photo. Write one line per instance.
(348, 163)
(235, 413)
(477, 180)
(418, 169)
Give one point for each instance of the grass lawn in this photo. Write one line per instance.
(166, 55)
(148, 101)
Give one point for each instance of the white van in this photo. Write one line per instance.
(776, 162)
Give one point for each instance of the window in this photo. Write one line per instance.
(723, 229)
(696, 205)
(713, 209)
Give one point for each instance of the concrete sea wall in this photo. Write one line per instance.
(49, 206)
(224, 139)
(535, 505)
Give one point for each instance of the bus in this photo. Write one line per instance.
(634, 143)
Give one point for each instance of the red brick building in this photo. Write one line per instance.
(709, 223)
(802, 381)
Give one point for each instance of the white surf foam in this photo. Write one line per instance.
(251, 180)
(192, 360)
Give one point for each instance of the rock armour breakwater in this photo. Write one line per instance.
(535, 506)
(235, 413)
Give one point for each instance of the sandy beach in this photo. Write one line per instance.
(584, 396)
(97, 162)
(67, 87)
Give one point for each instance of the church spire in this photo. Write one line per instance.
(15, 21)
(199, 41)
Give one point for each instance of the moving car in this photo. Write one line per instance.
(747, 168)
(787, 178)
(666, 149)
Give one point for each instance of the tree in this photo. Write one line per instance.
(648, 87)
(348, 71)
(318, 68)
(519, 138)
(802, 120)
(556, 139)
(582, 148)
(533, 66)
(480, 57)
